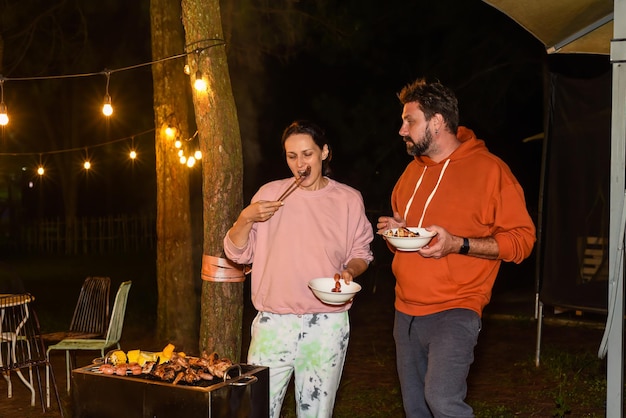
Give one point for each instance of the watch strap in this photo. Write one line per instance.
(465, 247)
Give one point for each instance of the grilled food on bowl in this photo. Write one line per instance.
(323, 288)
(409, 238)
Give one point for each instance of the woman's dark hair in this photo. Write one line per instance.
(315, 132)
(433, 98)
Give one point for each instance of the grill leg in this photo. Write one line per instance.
(68, 367)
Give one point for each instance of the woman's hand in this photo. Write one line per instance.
(260, 211)
(354, 268)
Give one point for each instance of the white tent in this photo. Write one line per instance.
(594, 27)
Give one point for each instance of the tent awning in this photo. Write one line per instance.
(564, 26)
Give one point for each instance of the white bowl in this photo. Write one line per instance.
(409, 243)
(322, 288)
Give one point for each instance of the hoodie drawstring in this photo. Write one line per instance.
(432, 194)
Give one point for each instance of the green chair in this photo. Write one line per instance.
(112, 339)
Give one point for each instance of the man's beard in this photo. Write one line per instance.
(419, 148)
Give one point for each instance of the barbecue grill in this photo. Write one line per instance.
(243, 392)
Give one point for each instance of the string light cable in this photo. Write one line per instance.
(198, 50)
(195, 48)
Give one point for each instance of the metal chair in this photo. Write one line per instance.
(25, 350)
(91, 315)
(112, 338)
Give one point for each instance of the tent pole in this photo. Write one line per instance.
(615, 368)
(548, 87)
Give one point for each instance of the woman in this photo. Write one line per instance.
(318, 230)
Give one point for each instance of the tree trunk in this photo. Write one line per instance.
(177, 318)
(222, 165)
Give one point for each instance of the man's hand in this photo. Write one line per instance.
(387, 222)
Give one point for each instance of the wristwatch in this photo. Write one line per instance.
(465, 247)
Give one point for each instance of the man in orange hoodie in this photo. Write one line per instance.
(455, 187)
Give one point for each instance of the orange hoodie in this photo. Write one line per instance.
(477, 196)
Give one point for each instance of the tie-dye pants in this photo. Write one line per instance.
(312, 347)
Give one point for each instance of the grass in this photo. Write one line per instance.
(571, 371)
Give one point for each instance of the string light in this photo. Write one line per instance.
(133, 153)
(4, 117)
(107, 108)
(191, 160)
(87, 163)
(199, 84)
(40, 169)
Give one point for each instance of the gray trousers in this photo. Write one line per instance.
(434, 354)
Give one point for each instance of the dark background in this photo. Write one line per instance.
(340, 65)
(344, 71)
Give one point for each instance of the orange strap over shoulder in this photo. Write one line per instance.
(216, 269)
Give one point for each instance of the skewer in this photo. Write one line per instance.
(295, 184)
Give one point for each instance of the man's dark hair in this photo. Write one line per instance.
(433, 98)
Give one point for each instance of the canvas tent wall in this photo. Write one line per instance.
(577, 153)
(594, 27)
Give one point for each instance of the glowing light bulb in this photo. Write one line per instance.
(178, 144)
(198, 154)
(170, 132)
(4, 117)
(87, 165)
(181, 153)
(183, 159)
(133, 154)
(40, 170)
(107, 109)
(199, 84)
(191, 161)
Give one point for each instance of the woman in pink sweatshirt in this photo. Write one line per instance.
(317, 231)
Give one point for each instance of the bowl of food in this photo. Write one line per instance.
(334, 292)
(408, 238)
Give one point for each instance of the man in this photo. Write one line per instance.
(455, 187)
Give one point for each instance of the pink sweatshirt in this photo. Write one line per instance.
(314, 234)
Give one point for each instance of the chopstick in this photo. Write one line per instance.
(295, 184)
(291, 188)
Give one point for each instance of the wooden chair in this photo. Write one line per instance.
(91, 314)
(112, 338)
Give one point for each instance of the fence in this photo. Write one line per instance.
(102, 235)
